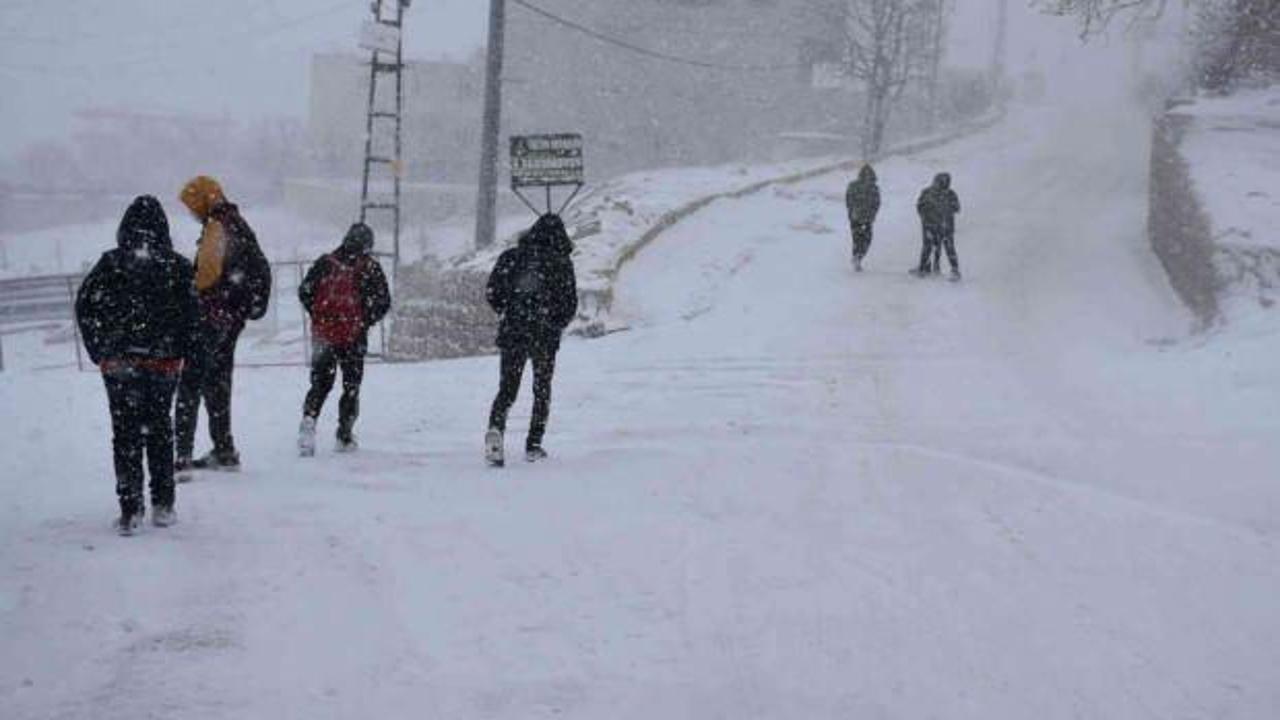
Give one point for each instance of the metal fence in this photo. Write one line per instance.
(285, 328)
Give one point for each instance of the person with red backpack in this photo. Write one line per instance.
(345, 293)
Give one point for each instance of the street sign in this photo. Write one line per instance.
(379, 36)
(546, 160)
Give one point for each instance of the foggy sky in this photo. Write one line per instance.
(249, 58)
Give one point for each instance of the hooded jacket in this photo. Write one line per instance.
(139, 300)
(355, 250)
(939, 204)
(533, 287)
(233, 277)
(862, 198)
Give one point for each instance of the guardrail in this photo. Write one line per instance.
(36, 299)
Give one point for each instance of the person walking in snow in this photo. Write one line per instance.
(345, 293)
(138, 316)
(533, 289)
(862, 200)
(938, 206)
(233, 284)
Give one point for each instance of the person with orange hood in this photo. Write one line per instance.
(233, 285)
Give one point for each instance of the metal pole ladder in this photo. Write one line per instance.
(385, 65)
(382, 163)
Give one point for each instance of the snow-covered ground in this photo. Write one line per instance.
(789, 492)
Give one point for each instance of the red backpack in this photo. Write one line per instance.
(338, 310)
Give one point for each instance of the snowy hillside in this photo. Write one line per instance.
(789, 491)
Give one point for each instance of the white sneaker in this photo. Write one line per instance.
(307, 437)
(346, 445)
(493, 453)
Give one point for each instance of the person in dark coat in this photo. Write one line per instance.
(533, 289)
(938, 206)
(862, 200)
(345, 293)
(138, 316)
(233, 283)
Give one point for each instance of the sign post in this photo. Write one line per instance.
(547, 161)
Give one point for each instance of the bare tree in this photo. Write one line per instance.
(1096, 15)
(929, 44)
(1235, 39)
(1231, 38)
(881, 43)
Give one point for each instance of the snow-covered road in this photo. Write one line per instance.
(789, 492)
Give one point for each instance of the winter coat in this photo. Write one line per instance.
(939, 204)
(138, 304)
(862, 198)
(233, 277)
(374, 299)
(533, 288)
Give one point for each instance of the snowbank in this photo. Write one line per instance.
(1232, 148)
(441, 312)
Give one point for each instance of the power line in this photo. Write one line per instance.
(648, 52)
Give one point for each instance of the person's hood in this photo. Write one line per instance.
(201, 195)
(867, 174)
(144, 226)
(548, 232)
(358, 241)
(942, 181)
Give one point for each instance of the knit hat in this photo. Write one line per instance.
(201, 195)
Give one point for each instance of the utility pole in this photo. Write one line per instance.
(487, 197)
(1002, 43)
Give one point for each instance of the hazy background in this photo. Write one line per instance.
(249, 58)
(105, 99)
(243, 58)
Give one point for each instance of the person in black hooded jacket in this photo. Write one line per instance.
(938, 206)
(138, 315)
(533, 289)
(345, 293)
(862, 201)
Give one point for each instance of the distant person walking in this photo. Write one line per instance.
(938, 206)
(345, 293)
(233, 283)
(862, 200)
(137, 313)
(533, 288)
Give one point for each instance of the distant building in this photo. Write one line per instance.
(638, 111)
(440, 138)
(442, 103)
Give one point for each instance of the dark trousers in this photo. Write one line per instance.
(208, 376)
(140, 400)
(544, 368)
(935, 239)
(861, 239)
(325, 361)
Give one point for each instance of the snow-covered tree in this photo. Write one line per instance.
(1235, 39)
(1096, 15)
(1231, 39)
